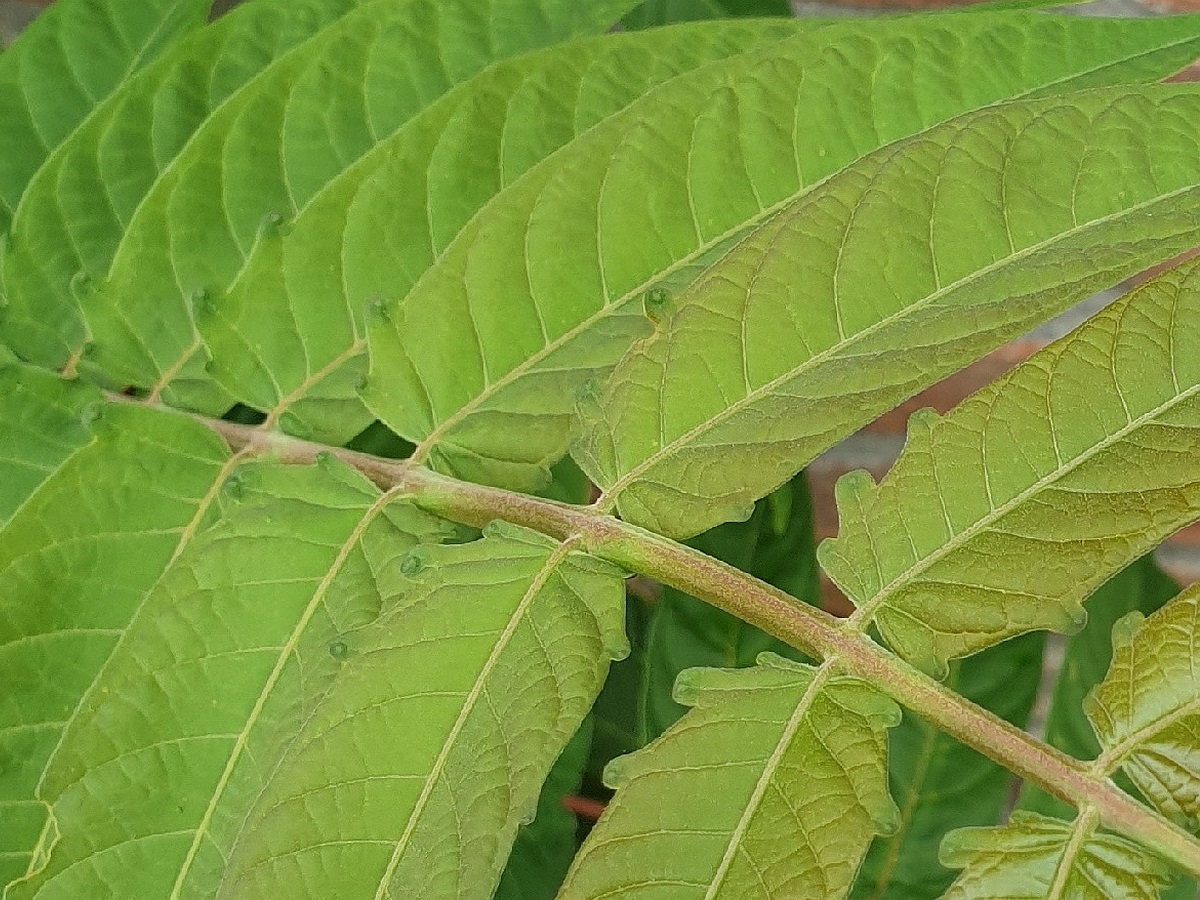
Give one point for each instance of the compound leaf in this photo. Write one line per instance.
(1146, 716)
(261, 155)
(891, 274)
(369, 73)
(77, 206)
(287, 335)
(296, 629)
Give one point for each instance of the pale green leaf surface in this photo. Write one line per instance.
(940, 784)
(542, 289)
(289, 331)
(439, 731)
(78, 555)
(65, 62)
(1005, 515)
(740, 797)
(76, 208)
(41, 426)
(1146, 711)
(1036, 858)
(544, 848)
(260, 158)
(896, 272)
(233, 647)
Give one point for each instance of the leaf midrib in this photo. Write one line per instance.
(556, 556)
(799, 717)
(1085, 824)
(458, 93)
(426, 445)
(611, 495)
(1114, 757)
(315, 602)
(72, 716)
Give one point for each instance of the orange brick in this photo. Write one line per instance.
(1175, 6)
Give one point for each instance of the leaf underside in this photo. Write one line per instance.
(1034, 502)
(1036, 858)
(1146, 717)
(350, 641)
(734, 800)
(543, 290)
(230, 677)
(1146, 711)
(893, 273)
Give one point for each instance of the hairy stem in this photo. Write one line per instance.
(805, 627)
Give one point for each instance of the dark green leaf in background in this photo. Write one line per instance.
(545, 847)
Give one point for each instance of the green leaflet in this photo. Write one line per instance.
(735, 800)
(897, 271)
(68, 59)
(544, 288)
(243, 634)
(41, 427)
(939, 784)
(368, 74)
(1146, 711)
(486, 665)
(288, 335)
(1018, 510)
(115, 494)
(1139, 587)
(545, 847)
(368, 70)
(775, 545)
(75, 210)
(1029, 859)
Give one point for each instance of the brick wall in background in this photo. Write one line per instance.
(877, 445)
